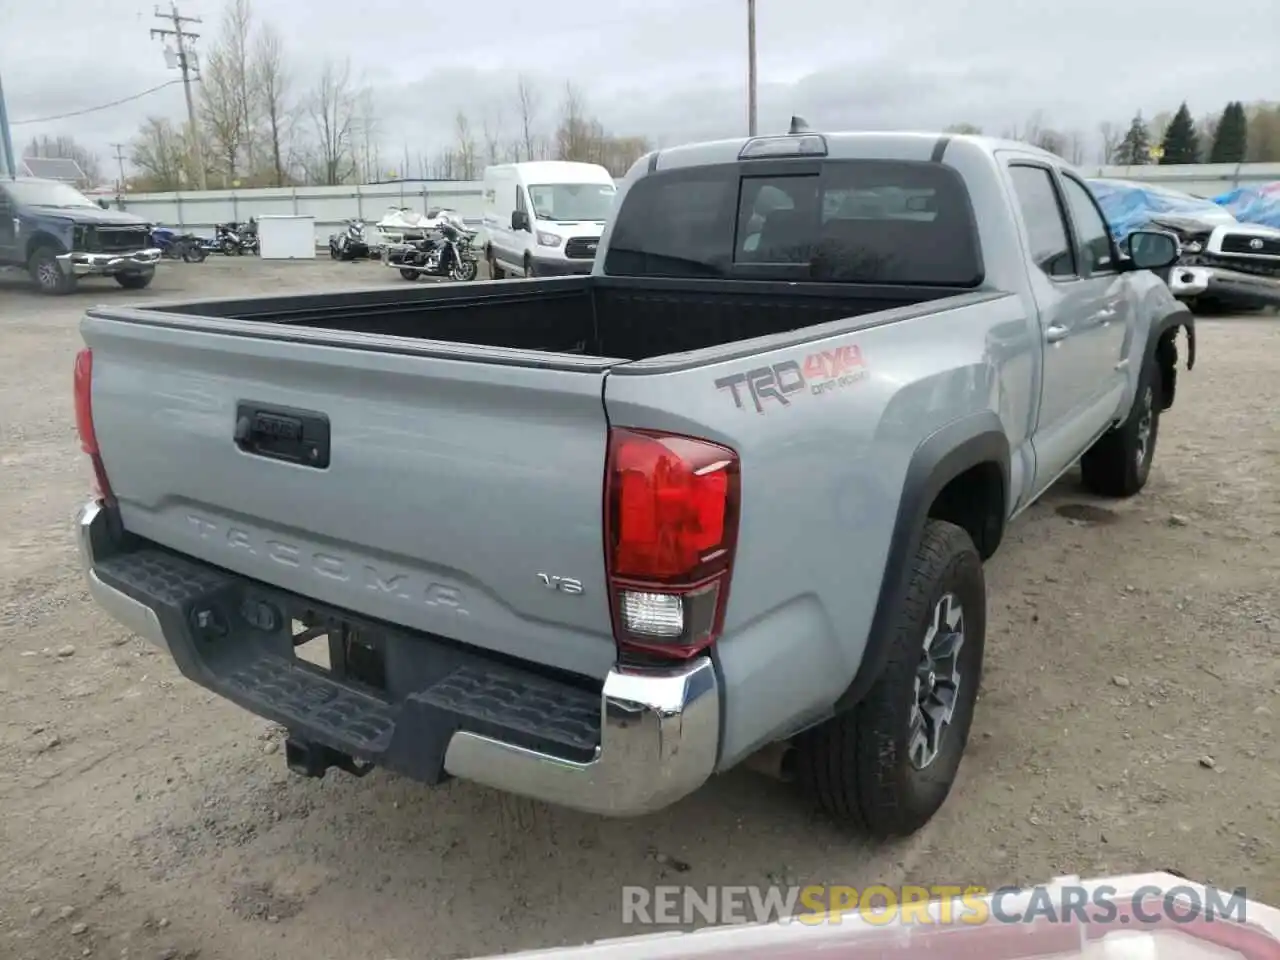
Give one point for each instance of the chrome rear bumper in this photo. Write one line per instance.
(659, 730)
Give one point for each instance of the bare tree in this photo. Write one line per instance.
(332, 109)
(159, 152)
(578, 136)
(220, 115)
(65, 147)
(527, 101)
(491, 131)
(1111, 134)
(271, 81)
(235, 41)
(964, 128)
(1075, 148)
(465, 151)
(367, 129)
(227, 103)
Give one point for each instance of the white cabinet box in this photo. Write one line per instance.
(282, 237)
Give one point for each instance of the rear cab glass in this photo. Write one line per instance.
(856, 221)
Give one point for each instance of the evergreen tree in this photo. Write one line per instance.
(1232, 136)
(1181, 143)
(1135, 148)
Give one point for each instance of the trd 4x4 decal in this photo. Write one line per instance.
(817, 374)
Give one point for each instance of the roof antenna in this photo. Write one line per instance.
(799, 125)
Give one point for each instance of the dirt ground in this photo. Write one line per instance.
(1128, 722)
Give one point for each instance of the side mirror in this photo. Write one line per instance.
(103, 204)
(1151, 249)
(520, 220)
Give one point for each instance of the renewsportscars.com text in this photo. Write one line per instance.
(884, 905)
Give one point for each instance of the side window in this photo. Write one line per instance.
(675, 225)
(1046, 227)
(1095, 238)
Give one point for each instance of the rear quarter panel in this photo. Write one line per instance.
(825, 439)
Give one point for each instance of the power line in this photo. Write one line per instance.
(103, 106)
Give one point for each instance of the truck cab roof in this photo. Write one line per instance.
(892, 145)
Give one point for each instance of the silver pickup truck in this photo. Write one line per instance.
(593, 540)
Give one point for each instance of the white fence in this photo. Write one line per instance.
(198, 212)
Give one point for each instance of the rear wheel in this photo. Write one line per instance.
(1119, 463)
(193, 253)
(48, 274)
(886, 765)
(410, 274)
(136, 281)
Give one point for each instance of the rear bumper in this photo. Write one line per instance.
(643, 741)
(1228, 286)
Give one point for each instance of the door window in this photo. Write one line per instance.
(1091, 228)
(1047, 231)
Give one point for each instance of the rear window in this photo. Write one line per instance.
(857, 221)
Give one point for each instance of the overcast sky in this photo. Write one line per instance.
(675, 69)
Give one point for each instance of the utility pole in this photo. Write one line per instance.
(120, 160)
(10, 168)
(182, 36)
(751, 68)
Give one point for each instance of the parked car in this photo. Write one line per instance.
(808, 430)
(1222, 261)
(58, 235)
(544, 218)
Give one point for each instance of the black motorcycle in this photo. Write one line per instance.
(234, 239)
(445, 251)
(350, 243)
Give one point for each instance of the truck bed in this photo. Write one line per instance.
(615, 319)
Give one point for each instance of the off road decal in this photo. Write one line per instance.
(780, 383)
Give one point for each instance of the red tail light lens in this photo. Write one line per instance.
(84, 422)
(671, 524)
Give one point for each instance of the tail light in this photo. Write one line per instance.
(84, 423)
(671, 525)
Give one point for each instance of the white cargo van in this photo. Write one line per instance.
(544, 218)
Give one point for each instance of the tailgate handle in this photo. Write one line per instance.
(283, 433)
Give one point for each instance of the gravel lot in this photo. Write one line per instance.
(1128, 722)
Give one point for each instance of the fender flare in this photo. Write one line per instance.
(1179, 316)
(957, 447)
(1161, 326)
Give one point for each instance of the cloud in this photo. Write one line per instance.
(674, 69)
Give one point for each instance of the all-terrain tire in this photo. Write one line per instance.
(47, 274)
(858, 765)
(136, 281)
(1119, 462)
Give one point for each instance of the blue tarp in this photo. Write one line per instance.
(1129, 206)
(1257, 204)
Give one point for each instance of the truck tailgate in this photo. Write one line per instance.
(455, 491)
